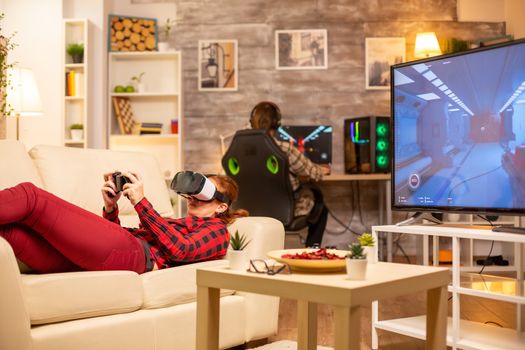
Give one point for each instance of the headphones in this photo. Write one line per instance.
(276, 116)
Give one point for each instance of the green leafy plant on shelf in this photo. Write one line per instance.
(366, 240)
(6, 45)
(76, 51)
(356, 251)
(238, 241)
(138, 78)
(76, 127)
(166, 29)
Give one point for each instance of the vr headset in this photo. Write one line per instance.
(198, 186)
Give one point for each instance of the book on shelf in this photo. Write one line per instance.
(150, 128)
(74, 83)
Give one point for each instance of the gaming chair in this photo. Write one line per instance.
(261, 170)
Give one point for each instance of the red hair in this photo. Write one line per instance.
(229, 187)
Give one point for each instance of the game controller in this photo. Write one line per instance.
(120, 180)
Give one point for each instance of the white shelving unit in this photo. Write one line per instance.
(463, 334)
(76, 107)
(160, 101)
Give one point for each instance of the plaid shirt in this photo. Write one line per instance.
(301, 168)
(177, 241)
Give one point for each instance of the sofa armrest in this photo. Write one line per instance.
(262, 312)
(15, 328)
(264, 233)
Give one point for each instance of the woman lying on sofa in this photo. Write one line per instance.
(49, 234)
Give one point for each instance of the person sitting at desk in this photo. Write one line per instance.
(267, 116)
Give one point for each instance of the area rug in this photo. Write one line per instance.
(285, 345)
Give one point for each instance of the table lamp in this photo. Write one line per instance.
(23, 98)
(427, 45)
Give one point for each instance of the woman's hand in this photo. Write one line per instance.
(109, 193)
(134, 191)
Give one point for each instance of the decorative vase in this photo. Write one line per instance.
(238, 260)
(356, 269)
(77, 134)
(140, 87)
(371, 255)
(163, 46)
(77, 58)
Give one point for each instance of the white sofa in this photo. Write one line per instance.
(116, 309)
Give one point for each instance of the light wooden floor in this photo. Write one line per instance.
(475, 309)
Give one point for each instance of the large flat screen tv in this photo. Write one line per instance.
(459, 132)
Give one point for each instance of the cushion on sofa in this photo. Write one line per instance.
(176, 285)
(21, 169)
(76, 175)
(59, 297)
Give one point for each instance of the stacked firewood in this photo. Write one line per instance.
(133, 34)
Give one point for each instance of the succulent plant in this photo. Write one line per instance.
(356, 252)
(366, 240)
(76, 126)
(238, 241)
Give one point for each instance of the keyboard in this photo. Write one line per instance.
(509, 229)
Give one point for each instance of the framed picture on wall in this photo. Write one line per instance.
(380, 54)
(218, 65)
(301, 49)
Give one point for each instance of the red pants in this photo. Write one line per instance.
(49, 234)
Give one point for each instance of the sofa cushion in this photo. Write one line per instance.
(21, 169)
(76, 175)
(59, 297)
(175, 285)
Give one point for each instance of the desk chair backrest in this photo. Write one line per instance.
(260, 168)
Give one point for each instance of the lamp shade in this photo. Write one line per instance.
(427, 45)
(22, 94)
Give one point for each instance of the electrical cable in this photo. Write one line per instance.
(491, 246)
(345, 226)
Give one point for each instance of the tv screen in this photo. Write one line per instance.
(314, 141)
(459, 131)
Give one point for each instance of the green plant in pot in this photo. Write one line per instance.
(238, 241)
(237, 256)
(356, 262)
(368, 242)
(165, 35)
(76, 51)
(77, 131)
(137, 79)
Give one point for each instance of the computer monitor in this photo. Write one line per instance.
(314, 141)
(459, 132)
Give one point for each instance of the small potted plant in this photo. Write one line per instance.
(76, 51)
(165, 35)
(137, 79)
(237, 257)
(77, 131)
(356, 262)
(367, 241)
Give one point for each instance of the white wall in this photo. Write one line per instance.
(510, 11)
(481, 10)
(39, 37)
(515, 17)
(95, 11)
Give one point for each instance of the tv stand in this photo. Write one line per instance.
(420, 215)
(518, 230)
(463, 333)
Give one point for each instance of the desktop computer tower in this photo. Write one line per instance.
(367, 145)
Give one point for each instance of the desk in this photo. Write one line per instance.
(384, 191)
(385, 280)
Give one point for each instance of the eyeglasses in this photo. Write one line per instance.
(261, 266)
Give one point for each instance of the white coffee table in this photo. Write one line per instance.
(384, 280)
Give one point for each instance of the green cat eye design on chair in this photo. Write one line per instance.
(272, 165)
(233, 166)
